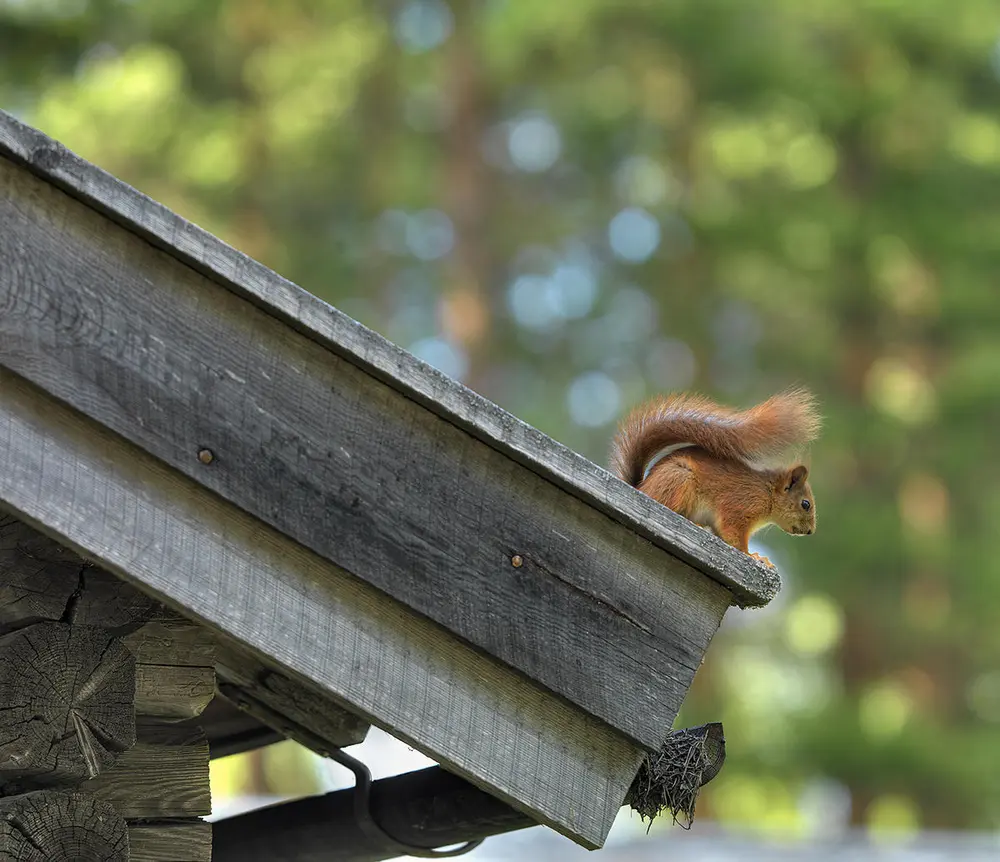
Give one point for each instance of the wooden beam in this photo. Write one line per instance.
(175, 658)
(309, 620)
(346, 465)
(428, 809)
(165, 774)
(330, 726)
(175, 669)
(40, 580)
(170, 841)
(751, 585)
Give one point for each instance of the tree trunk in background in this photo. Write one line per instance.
(465, 308)
(379, 114)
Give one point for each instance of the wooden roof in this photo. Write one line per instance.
(335, 509)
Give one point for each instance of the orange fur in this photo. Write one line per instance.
(710, 481)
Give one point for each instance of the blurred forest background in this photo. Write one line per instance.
(572, 205)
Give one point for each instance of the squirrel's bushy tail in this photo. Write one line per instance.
(783, 421)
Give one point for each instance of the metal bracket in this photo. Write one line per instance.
(363, 813)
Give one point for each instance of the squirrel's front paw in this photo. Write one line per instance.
(763, 560)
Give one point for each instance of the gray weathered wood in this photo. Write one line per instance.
(165, 774)
(175, 669)
(309, 620)
(346, 465)
(170, 639)
(37, 576)
(750, 584)
(289, 708)
(39, 580)
(66, 704)
(170, 693)
(175, 658)
(61, 827)
(187, 840)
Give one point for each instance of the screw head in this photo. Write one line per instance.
(205, 456)
(516, 561)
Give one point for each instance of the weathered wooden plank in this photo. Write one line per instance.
(346, 465)
(61, 827)
(175, 670)
(188, 840)
(165, 774)
(289, 708)
(39, 580)
(170, 639)
(307, 619)
(174, 677)
(175, 657)
(171, 693)
(751, 584)
(66, 704)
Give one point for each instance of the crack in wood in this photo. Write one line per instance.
(73, 602)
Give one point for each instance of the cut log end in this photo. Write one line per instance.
(67, 695)
(61, 827)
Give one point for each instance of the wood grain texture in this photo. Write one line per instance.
(287, 707)
(309, 620)
(165, 774)
(751, 584)
(169, 639)
(48, 826)
(175, 658)
(66, 704)
(175, 669)
(170, 693)
(174, 677)
(40, 580)
(346, 465)
(188, 840)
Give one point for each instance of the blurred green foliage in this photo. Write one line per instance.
(574, 205)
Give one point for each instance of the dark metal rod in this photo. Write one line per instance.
(428, 808)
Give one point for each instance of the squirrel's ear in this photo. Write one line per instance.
(796, 476)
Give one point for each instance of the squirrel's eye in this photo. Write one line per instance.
(806, 505)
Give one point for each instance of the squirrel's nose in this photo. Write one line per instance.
(809, 532)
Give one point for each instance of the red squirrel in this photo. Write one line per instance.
(710, 468)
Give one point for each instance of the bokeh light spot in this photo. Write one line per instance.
(814, 625)
(642, 181)
(892, 817)
(594, 399)
(422, 25)
(884, 710)
(900, 391)
(534, 143)
(634, 235)
(429, 234)
(983, 696)
(533, 303)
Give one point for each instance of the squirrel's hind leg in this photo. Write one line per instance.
(672, 483)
